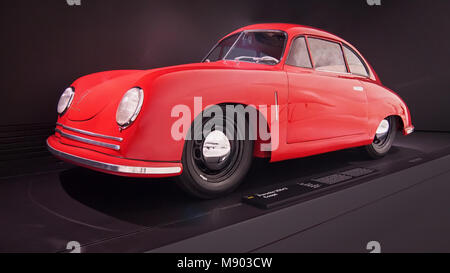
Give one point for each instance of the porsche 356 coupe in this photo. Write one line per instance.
(312, 92)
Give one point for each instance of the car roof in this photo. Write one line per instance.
(292, 30)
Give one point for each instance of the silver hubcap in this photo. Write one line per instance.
(216, 149)
(383, 129)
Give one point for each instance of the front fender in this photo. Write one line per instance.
(152, 138)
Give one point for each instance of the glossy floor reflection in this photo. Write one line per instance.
(44, 211)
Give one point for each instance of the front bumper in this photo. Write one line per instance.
(111, 164)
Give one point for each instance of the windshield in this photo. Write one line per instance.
(251, 46)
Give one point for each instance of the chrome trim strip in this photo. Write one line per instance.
(277, 107)
(88, 141)
(90, 133)
(358, 88)
(113, 167)
(331, 71)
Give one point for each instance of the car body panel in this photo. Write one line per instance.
(324, 105)
(318, 111)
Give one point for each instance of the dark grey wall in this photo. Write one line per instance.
(48, 44)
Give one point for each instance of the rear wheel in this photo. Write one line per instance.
(216, 164)
(384, 138)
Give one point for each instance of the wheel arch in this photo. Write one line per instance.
(399, 122)
(195, 90)
(259, 138)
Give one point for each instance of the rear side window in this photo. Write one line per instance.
(327, 56)
(355, 64)
(299, 56)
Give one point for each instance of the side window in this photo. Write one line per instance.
(221, 49)
(327, 56)
(355, 64)
(298, 56)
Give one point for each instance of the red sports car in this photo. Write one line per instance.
(280, 91)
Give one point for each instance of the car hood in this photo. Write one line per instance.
(95, 92)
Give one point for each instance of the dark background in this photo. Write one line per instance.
(47, 44)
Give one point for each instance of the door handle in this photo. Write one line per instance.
(358, 88)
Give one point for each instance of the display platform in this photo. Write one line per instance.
(390, 202)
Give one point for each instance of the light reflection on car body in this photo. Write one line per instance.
(320, 110)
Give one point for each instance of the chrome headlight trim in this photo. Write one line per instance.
(134, 116)
(71, 91)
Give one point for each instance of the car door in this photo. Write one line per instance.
(324, 101)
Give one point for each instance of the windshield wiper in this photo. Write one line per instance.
(258, 59)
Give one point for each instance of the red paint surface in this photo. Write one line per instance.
(319, 111)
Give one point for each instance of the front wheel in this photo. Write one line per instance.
(215, 164)
(384, 138)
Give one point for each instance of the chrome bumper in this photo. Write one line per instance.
(88, 141)
(113, 167)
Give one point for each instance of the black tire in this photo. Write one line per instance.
(381, 145)
(198, 179)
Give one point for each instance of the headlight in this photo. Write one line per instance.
(65, 100)
(129, 107)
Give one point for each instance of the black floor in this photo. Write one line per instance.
(44, 204)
